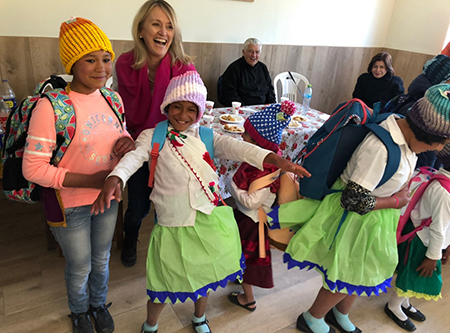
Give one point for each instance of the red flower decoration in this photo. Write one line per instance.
(207, 159)
(283, 145)
(294, 146)
(223, 169)
(306, 137)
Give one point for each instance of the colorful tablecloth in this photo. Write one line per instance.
(293, 139)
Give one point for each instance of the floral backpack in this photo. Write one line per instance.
(15, 186)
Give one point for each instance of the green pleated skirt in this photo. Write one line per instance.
(409, 283)
(188, 262)
(355, 256)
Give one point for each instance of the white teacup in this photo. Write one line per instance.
(208, 107)
(235, 107)
(208, 119)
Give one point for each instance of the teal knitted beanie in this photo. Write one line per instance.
(431, 113)
(437, 70)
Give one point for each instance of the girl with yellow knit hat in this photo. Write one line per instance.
(98, 140)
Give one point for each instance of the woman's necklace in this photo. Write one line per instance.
(149, 77)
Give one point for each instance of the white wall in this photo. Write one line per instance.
(419, 26)
(365, 23)
(291, 22)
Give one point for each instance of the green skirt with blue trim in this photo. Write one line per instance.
(409, 283)
(359, 259)
(188, 262)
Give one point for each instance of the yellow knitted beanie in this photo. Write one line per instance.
(78, 37)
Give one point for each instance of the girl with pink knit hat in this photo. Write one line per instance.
(195, 247)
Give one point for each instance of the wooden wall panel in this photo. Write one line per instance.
(209, 69)
(45, 58)
(121, 46)
(16, 65)
(229, 53)
(332, 71)
(408, 65)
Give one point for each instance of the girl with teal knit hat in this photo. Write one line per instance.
(359, 259)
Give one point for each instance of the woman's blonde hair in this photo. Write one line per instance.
(140, 49)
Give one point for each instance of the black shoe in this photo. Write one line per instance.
(102, 319)
(302, 325)
(81, 323)
(330, 318)
(417, 316)
(195, 325)
(405, 324)
(128, 255)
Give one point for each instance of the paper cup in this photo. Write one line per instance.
(208, 119)
(235, 107)
(208, 107)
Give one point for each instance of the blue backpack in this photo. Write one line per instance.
(159, 138)
(330, 148)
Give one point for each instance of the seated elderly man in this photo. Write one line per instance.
(247, 80)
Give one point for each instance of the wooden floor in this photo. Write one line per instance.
(33, 296)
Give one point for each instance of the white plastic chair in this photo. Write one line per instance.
(289, 89)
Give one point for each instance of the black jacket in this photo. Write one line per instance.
(246, 84)
(371, 90)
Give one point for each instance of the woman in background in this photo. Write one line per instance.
(141, 78)
(379, 84)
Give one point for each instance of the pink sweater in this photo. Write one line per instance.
(141, 105)
(97, 131)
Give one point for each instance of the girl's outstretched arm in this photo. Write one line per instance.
(111, 187)
(286, 165)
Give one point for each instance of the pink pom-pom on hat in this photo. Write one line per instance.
(266, 126)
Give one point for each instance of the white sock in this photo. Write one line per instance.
(395, 305)
(149, 328)
(406, 305)
(203, 328)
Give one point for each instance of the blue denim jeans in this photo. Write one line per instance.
(138, 202)
(86, 244)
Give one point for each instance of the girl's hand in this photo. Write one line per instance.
(111, 187)
(445, 255)
(286, 165)
(403, 196)
(427, 267)
(123, 146)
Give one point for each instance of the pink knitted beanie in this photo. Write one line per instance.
(186, 87)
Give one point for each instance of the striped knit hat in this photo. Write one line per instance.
(266, 126)
(186, 87)
(431, 113)
(437, 70)
(444, 156)
(78, 37)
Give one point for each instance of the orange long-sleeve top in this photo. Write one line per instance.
(91, 149)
